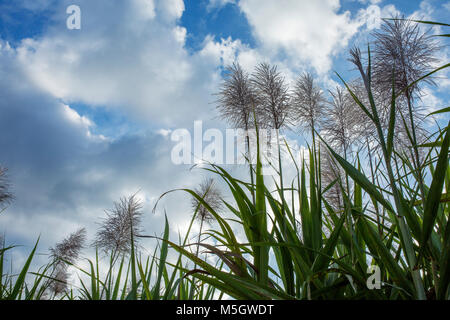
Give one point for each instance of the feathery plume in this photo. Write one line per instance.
(114, 234)
(400, 46)
(69, 249)
(308, 102)
(65, 252)
(340, 127)
(210, 194)
(272, 95)
(236, 98)
(331, 172)
(5, 195)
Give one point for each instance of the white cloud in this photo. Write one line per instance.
(141, 65)
(217, 4)
(146, 8)
(172, 9)
(180, 34)
(120, 61)
(430, 102)
(74, 117)
(221, 52)
(306, 31)
(425, 11)
(372, 16)
(302, 34)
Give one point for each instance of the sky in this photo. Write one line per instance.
(86, 115)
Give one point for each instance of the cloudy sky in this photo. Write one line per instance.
(86, 115)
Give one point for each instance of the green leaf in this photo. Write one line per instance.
(359, 178)
(444, 110)
(390, 137)
(323, 259)
(444, 283)
(261, 254)
(162, 260)
(434, 194)
(23, 273)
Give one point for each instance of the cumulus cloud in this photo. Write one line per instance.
(425, 11)
(297, 29)
(132, 56)
(129, 55)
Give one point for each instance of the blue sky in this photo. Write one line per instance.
(84, 114)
